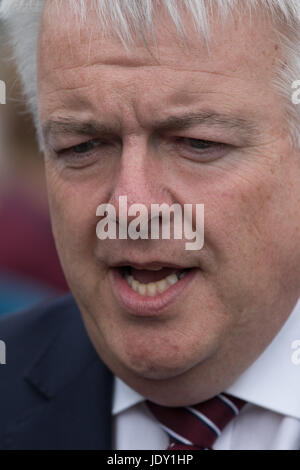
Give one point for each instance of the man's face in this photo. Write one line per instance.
(194, 339)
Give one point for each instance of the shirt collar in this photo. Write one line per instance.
(124, 397)
(272, 381)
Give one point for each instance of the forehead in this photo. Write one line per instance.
(77, 57)
(230, 44)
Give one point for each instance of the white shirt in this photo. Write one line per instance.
(270, 420)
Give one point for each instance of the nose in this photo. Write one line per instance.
(141, 178)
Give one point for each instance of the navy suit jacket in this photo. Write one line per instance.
(55, 392)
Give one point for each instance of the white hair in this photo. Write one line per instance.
(126, 18)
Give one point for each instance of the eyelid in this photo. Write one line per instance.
(211, 144)
(213, 152)
(205, 141)
(71, 148)
(207, 134)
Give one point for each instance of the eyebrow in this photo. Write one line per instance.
(72, 126)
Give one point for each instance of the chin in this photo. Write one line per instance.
(161, 367)
(158, 373)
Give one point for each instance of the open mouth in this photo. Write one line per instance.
(150, 283)
(149, 290)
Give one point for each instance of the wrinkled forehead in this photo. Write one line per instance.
(66, 36)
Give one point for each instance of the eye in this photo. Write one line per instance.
(201, 150)
(199, 144)
(83, 148)
(84, 154)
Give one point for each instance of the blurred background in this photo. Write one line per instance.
(29, 267)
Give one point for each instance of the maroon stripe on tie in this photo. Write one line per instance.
(185, 424)
(215, 410)
(218, 411)
(200, 424)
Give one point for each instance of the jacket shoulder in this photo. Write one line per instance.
(55, 391)
(20, 321)
(24, 332)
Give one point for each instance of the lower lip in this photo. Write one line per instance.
(142, 306)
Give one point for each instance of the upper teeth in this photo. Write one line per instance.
(154, 288)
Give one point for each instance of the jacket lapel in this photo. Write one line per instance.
(72, 391)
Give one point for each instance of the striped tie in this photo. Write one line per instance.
(197, 427)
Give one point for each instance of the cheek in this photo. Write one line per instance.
(242, 213)
(73, 210)
(251, 227)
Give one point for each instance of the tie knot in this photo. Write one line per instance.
(197, 426)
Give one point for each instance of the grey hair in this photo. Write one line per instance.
(126, 18)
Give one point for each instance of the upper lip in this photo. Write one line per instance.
(148, 265)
